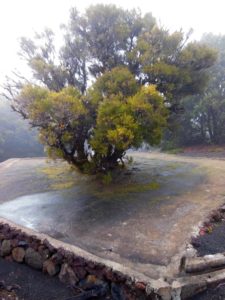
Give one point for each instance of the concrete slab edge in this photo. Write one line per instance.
(73, 265)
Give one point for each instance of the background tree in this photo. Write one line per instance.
(203, 120)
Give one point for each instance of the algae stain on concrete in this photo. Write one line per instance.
(62, 185)
(130, 184)
(125, 189)
(61, 176)
(56, 171)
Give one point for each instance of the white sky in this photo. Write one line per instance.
(23, 17)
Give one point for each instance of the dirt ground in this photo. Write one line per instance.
(210, 151)
(24, 283)
(216, 293)
(211, 243)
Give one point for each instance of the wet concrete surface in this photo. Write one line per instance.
(142, 220)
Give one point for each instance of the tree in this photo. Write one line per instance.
(212, 103)
(138, 68)
(94, 131)
(204, 117)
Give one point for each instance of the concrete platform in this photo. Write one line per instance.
(143, 220)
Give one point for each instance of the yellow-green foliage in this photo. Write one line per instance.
(55, 110)
(116, 114)
(118, 82)
(149, 111)
(124, 121)
(115, 126)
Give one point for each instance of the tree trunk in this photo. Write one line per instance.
(209, 127)
(215, 126)
(202, 127)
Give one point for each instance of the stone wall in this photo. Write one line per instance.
(98, 277)
(72, 265)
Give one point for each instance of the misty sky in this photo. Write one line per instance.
(23, 17)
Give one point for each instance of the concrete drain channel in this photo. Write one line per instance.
(73, 265)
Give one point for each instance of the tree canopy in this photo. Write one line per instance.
(94, 131)
(203, 120)
(110, 87)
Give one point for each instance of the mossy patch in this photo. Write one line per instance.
(61, 176)
(139, 187)
(174, 165)
(54, 172)
(124, 189)
(175, 151)
(62, 185)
